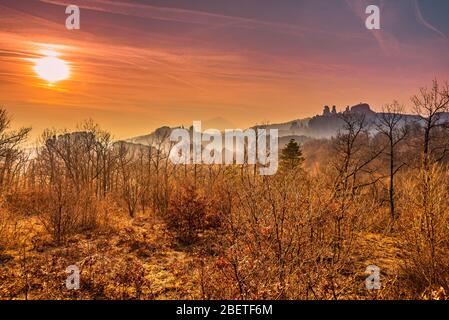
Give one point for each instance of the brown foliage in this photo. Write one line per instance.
(308, 232)
(186, 214)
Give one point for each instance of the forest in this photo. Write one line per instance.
(139, 227)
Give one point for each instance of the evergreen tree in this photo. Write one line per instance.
(291, 155)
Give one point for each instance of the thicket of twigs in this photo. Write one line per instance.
(303, 233)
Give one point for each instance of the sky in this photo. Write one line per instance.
(137, 65)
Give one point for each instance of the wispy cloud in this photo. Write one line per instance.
(195, 17)
(424, 22)
(387, 42)
(173, 64)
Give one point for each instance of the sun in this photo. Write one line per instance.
(52, 69)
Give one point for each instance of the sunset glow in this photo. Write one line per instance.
(155, 64)
(52, 69)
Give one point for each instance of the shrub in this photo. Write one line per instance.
(425, 231)
(186, 214)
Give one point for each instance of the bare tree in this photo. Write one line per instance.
(353, 153)
(129, 185)
(391, 124)
(430, 105)
(9, 146)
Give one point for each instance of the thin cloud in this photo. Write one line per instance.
(386, 41)
(208, 19)
(423, 21)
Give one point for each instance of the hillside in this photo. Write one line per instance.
(325, 125)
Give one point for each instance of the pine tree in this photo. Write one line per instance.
(291, 155)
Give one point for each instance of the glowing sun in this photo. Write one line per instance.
(52, 69)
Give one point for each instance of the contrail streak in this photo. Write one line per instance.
(421, 19)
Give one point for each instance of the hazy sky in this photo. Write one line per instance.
(137, 65)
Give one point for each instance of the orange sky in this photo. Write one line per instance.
(137, 65)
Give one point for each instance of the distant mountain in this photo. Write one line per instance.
(330, 122)
(325, 125)
(162, 133)
(217, 123)
(159, 135)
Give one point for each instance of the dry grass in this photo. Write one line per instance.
(112, 263)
